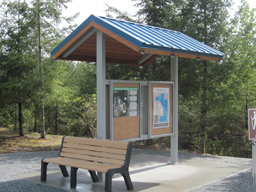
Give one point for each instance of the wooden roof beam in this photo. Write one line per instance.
(79, 42)
(144, 58)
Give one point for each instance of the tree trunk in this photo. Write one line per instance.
(41, 76)
(203, 111)
(42, 119)
(15, 118)
(56, 120)
(20, 120)
(35, 129)
(204, 96)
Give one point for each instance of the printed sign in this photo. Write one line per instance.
(252, 123)
(161, 107)
(125, 101)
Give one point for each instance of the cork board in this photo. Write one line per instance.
(126, 127)
(168, 127)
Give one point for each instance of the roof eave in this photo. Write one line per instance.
(181, 53)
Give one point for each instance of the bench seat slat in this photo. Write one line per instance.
(94, 148)
(93, 153)
(81, 164)
(91, 158)
(96, 142)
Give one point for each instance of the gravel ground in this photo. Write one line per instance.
(13, 164)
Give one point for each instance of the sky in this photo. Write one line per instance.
(97, 7)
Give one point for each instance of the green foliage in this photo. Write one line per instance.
(19, 76)
(85, 122)
(213, 97)
(70, 106)
(29, 30)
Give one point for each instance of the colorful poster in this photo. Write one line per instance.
(161, 107)
(125, 101)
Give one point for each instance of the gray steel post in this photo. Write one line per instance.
(174, 137)
(254, 164)
(111, 111)
(101, 89)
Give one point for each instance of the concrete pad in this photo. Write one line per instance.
(148, 173)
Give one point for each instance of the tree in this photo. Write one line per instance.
(29, 55)
(48, 14)
(238, 90)
(18, 77)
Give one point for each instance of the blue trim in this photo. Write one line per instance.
(68, 38)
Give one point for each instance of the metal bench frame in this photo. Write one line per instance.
(123, 170)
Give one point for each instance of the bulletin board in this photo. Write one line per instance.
(126, 111)
(161, 109)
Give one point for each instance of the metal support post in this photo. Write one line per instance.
(254, 164)
(174, 137)
(101, 89)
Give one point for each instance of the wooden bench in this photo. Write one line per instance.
(99, 155)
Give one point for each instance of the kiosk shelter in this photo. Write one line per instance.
(133, 110)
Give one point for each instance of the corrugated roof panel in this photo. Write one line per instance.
(136, 28)
(154, 34)
(202, 45)
(130, 29)
(166, 35)
(125, 30)
(143, 32)
(146, 36)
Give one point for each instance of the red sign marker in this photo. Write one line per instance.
(252, 123)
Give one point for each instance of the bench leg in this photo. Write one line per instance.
(64, 170)
(73, 177)
(94, 176)
(127, 180)
(43, 170)
(108, 181)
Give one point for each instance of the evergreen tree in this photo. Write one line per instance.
(49, 15)
(205, 20)
(29, 31)
(18, 69)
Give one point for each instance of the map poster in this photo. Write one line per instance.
(161, 109)
(125, 101)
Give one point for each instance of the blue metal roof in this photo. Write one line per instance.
(146, 36)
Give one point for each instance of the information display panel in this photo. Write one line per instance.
(125, 101)
(161, 109)
(125, 111)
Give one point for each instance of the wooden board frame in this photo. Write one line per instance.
(131, 128)
(165, 131)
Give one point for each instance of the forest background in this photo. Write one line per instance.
(38, 94)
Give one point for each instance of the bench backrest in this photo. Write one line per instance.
(97, 150)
